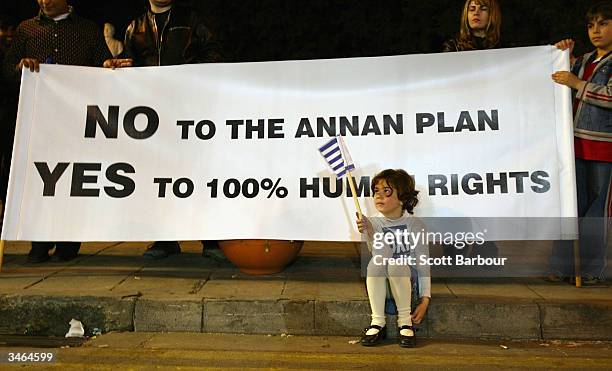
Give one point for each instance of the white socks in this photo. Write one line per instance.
(406, 332)
(372, 331)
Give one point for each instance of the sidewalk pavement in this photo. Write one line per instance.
(111, 287)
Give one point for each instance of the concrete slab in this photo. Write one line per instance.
(78, 284)
(498, 319)
(17, 282)
(243, 289)
(344, 318)
(576, 321)
(259, 317)
(167, 315)
(483, 288)
(565, 292)
(324, 290)
(50, 315)
(440, 289)
(161, 287)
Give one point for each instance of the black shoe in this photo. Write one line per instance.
(371, 340)
(67, 251)
(406, 341)
(39, 253)
(592, 281)
(162, 249)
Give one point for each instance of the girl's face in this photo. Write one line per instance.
(386, 201)
(478, 16)
(600, 33)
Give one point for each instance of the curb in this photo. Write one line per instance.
(486, 318)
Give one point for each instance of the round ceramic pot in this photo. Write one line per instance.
(261, 256)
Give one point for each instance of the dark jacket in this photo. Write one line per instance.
(478, 43)
(185, 39)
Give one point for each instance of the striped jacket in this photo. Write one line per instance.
(593, 118)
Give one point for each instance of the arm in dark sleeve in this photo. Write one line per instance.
(14, 56)
(100, 51)
(128, 43)
(206, 46)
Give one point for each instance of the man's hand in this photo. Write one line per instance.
(364, 225)
(568, 79)
(419, 312)
(118, 63)
(32, 63)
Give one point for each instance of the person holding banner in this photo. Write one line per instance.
(8, 109)
(56, 35)
(590, 82)
(480, 27)
(389, 238)
(169, 34)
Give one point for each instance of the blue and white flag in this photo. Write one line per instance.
(337, 156)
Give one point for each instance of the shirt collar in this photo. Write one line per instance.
(43, 17)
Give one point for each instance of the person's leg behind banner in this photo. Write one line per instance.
(593, 238)
(561, 260)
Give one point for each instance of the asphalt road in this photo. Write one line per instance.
(140, 351)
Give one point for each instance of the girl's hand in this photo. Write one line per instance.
(364, 225)
(420, 310)
(568, 79)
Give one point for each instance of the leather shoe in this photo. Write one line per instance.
(371, 340)
(39, 253)
(162, 249)
(406, 341)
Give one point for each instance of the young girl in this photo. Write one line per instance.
(395, 234)
(480, 27)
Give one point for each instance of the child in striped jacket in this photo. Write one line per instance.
(590, 81)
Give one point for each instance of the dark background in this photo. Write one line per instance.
(260, 30)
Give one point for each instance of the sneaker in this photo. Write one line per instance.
(591, 281)
(557, 277)
(215, 254)
(162, 249)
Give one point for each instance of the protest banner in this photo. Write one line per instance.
(230, 151)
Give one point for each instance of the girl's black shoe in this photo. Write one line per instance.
(371, 340)
(406, 341)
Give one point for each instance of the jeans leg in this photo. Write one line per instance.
(593, 224)
(561, 260)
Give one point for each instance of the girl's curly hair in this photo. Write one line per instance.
(403, 183)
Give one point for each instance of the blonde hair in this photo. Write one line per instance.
(492, 32)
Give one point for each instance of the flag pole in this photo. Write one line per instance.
(577, 270)
(354, 193)
(1, 253)
(349, 162)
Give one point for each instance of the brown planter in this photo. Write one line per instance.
(261, 256)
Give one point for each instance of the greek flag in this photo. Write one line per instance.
(337, 157)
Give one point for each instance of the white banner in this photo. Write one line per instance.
(226, 151)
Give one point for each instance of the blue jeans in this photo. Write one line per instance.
(593, 180)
